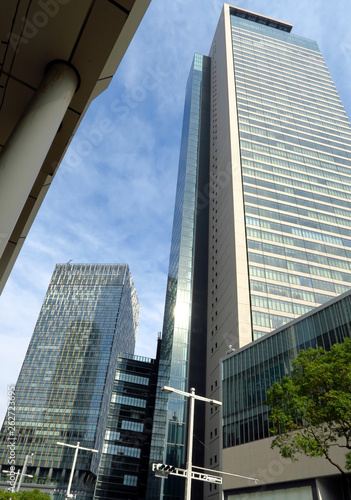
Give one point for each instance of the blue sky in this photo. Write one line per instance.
(112, 199)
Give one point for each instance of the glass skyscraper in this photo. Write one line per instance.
(275, 208)
(90, 313)
(183, 347)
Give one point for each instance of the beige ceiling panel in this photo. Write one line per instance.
(94, 47)
(51, 36)
(127, 4)
(17, 97)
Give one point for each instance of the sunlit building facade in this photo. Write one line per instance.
(183, 347)
(90, 313)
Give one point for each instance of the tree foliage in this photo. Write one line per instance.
(311, 410)
(35, 494)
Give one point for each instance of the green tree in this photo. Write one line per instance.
(311, 410)
(24, 495)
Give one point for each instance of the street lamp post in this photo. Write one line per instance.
(77, 448)
(192, 397)
(24, 468)
(17, 475)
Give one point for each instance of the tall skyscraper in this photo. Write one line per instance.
(183, 347)
(90, 314)
(272, 190)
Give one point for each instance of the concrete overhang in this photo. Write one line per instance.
(90, 35)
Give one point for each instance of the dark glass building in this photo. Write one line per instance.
(90, 313)
(124, 463)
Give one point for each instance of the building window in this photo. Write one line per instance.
(130, 480)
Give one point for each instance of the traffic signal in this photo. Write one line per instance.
(162, 470)
(167, 468)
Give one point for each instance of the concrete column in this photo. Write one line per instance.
(25, 151)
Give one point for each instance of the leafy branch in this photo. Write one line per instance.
(311, 410)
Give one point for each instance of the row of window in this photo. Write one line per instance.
(112, 435)
(296, 242)
(247, 74)
(285, 146)
(297, 231)
(279, 305)
(293, 129)
(267, 320)
(261, 134)
(298, 211)
(135, 379)
(289, 43)
(284, 86)
(269, 35)
(295, 219)
(130, 480)
(303, 122)
(293, 94)
(128, 425)
(278, 101)
(293, 279)
(128, 451)
(260, 110)
(285, 133)
(124, 400)
(289, 110)
(243, 64)
(294, 191)
(321, 170)
(278, 179)
(241, 45)
(299, 267)
(291, 292)
(298, 254)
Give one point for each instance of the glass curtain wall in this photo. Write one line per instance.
(89, 314)
(249, 373)
(169, 431)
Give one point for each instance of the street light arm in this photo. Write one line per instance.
(75, 446)
(170, 390)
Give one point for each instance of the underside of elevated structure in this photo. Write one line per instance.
(56, 56)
